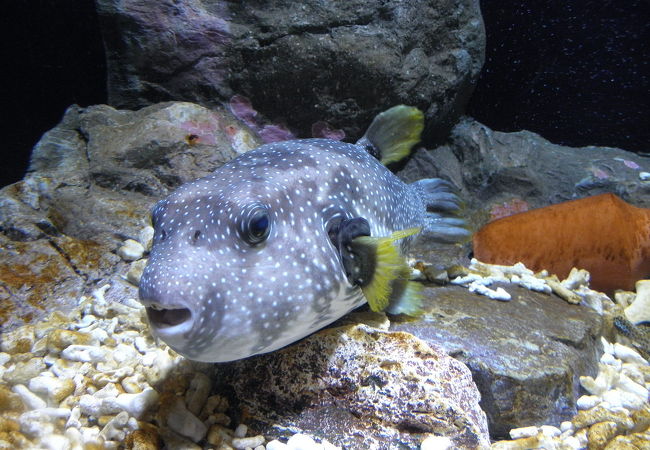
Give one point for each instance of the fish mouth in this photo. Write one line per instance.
(169, 320)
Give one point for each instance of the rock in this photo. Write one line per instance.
(566, 426)
(134, 404)
(24, 371)
(133, 385)
(498, 172)
(600, 414)
(306, 442)
(641, 418)
(114, 429)
(607, 378)
(436, 443)
(32, 422)
(600, 434)
(9, 401)
(525, 376)
(539, 440)
(145, 439)
(131, 250)
(73, 420)
(249, 442)
(18, 341)
(55, 389)
(36, 278)
(628, 385)
(218, 434)
(84, 353)
(31, 400)
(550, 431)
(395, 388)
(214, 404)
(173, 440)
(241, 430)
(60, 339)
(276, 445)
(125, 355)
(198, 392)
(618, 398)
(588, 401)
(633, 441)
(90, 185)
(628, 355)
(639, 310)
(146, 237)
(524, 432)
(340, 63)
(576, 279)
(183, 422)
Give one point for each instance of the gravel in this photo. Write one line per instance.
(96, 379)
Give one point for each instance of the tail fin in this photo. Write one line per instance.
(443, 220)
(393, 133)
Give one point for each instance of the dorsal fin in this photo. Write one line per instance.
(393, 133)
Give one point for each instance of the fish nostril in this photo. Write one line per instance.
(166, 318)
(195, 237)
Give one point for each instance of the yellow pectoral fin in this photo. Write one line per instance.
(406, 298)
(401, 234)
(389, 266)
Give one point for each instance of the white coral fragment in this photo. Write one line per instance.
(639, 310)
(131, 250)
(524, 432)
(576, 279)
(183, 422)
(628, 355)
(607, 378)
(498, 294)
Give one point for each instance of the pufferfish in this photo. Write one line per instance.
(288, 237)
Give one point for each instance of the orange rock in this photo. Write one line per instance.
(602, 234)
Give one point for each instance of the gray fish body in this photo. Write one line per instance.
(214, 297)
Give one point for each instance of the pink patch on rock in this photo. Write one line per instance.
(323, 129)
(631, 164)
(231, 130)
(275, 133)
(508, 208)
(599, 173)
(242, 108)
(201, 132)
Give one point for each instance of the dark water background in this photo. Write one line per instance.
(577, 72)
(53, 56)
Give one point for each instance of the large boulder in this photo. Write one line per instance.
(306, 62)
(360, 387)
(526, 355)
(90, 185)
(501, 173)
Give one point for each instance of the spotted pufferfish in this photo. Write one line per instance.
(288, 237)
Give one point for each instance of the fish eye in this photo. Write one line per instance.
(259, 225)
(256, 225)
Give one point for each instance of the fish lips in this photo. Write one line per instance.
(169, 322)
